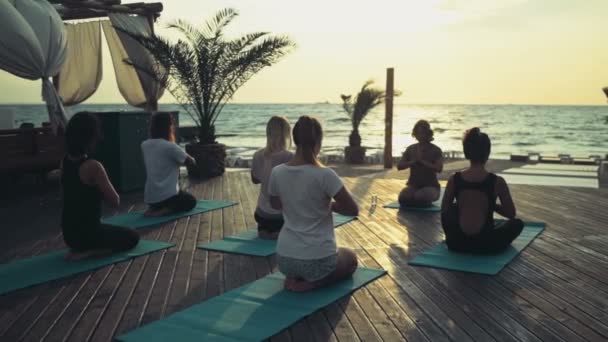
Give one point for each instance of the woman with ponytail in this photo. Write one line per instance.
(278, 140)
(469, 203)
(303, 189)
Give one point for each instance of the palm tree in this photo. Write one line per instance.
(205, 69)
(367, 99)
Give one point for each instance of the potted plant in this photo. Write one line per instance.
(205, 69)
(366, 100)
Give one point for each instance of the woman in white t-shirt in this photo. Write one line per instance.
(162, 158)
(278, 140)
(303, 189)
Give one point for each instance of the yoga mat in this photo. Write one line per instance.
(44, 268)
(138, 220)
(579, 182)
(550, 173)
(562, 167)
(440, 257)
(435, 207)
(253, 312)
(248, 243)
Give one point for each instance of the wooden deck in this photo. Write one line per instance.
(556, 290)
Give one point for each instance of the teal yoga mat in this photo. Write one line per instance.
(44, 268)
(440, 257)
(248, 243)
(435, 207)
(138, 220)
(253, 312)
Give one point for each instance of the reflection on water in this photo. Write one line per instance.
(578, 130)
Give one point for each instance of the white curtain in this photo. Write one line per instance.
(82, 72)
(137, 86)
(33, 46)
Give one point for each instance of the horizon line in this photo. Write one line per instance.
(330, 103)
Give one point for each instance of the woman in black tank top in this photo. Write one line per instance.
(82, 181)
(473, 193)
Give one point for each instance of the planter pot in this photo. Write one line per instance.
(354, 154)
(210, 160)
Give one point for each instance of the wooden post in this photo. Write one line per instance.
(388, 119)
(151, 106)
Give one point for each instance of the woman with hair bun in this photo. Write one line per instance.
(84, 186)
(469, 203)
(303, 189)
(425, 160)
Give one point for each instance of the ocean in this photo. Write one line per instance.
(580, 131)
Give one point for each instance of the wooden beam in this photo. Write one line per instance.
(90, 12)
(83, 3)
(388, 119)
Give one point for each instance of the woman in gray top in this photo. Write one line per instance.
(278, 141)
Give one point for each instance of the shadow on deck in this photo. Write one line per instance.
(557, 289)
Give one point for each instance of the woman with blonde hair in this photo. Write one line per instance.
(425, 160)
(278, 141)
(303, 189)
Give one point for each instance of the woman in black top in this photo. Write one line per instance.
(469, 203)
(85, 184)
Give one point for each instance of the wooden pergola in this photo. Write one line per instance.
(91, 9)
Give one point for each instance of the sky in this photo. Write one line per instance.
(443, 51)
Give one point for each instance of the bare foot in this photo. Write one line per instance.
(74, 256)
(156, 213)
(266, 235)
(298, 285)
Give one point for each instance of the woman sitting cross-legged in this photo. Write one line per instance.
(278, 140)
(424, 160)
(469, 203)
(303, 189)
(84, 185)
(162, 158)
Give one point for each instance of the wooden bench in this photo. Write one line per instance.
(29, 150)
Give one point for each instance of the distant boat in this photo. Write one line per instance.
(325, 103)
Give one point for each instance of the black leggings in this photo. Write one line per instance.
(179, 203)
(270, 225)
(491, 240)
(116, 239)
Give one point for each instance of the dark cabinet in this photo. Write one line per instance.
(120, 149)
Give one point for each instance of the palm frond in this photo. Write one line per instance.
(205, 70)
(214, 27)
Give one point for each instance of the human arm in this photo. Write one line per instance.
(436, 157)
(93, 173)
(344, 203)
(255, 167)
(273, 191)
(275, 202)
(406, 161)
(190, 160)
(506, 207)
(436, 165)
(448, 196)
(180, 156)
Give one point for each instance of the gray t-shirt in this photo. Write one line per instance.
(261, 166)
(305, 192)
(162, 159)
